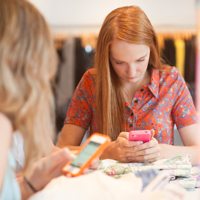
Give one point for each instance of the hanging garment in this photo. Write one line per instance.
(65, 80)
(190, 60)
(160, 39)
(83, 59)
(190, 64)
(169, 52)
(180, 55)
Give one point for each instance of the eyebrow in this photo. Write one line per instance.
(123, 61)
(142, 57)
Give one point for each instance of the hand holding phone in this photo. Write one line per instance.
(141, 135)
(90, 150)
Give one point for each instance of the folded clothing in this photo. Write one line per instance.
(179, 170)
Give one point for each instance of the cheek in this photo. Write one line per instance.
(143, 67)
(118, 69)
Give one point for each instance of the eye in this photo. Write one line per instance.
(119, 62)
(141, 60)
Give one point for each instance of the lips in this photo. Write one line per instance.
(132, 77)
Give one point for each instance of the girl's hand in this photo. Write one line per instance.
(47, 168)
(146, 152)
(124, 150)
(121, 149)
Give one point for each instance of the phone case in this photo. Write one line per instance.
(75, 170)
(140, 135)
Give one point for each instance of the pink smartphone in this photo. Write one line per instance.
(140, 135)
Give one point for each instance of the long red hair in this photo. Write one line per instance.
(129, 24)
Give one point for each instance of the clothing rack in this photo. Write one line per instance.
(86, 39)
(178, 49)
(77, 50)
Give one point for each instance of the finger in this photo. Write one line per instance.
(147, 145)
(148, 155)
(93, 166)
(155, 158)
(154, 140)
(127, 153)
(124, 135)
(120, 141)
(123, 139)
(132, 143)
(146, 151)
(95, 163)
(59, 157)
(62, 154)
(56, 168)
(55, 148)
(147, 158)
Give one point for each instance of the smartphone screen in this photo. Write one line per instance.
(85, 154)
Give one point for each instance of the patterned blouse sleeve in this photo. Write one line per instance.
(79, 111)
(183, 112)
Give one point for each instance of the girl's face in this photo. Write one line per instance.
(129, 61)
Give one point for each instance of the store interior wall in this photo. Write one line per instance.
(92, 12)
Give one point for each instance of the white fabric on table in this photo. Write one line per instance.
(95, 185)
(98, 186)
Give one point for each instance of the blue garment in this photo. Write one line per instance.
(10, 188)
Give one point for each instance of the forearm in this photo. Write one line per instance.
(40, 173)
(61, 144)
(70, 135)
(111, 152)
(168, 151)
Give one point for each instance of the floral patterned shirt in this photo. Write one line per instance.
(163, 103)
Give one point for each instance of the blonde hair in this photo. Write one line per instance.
(27, 64)
(129, 24)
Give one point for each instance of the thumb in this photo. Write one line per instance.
(124, 135)
(62, 154)
(56, 161)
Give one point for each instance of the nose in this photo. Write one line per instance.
(132, 70)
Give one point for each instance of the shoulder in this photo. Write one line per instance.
(170, 73)
(90, 72)
(170, 80)
(89, 76)
(168, 77)
(5, 124)
(87, 82)
(167, 69)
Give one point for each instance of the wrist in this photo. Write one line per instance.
(30, 185)
(164, 150)
(26, 191)
(107, 153)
